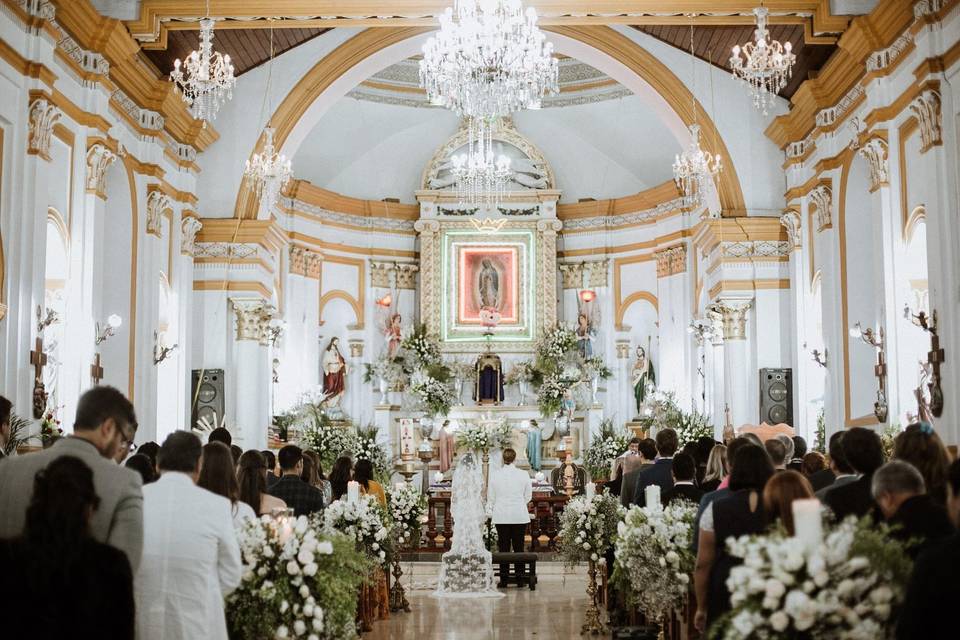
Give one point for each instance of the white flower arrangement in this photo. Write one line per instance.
(556, 343)
(588, 527)
(524, 371)
(435, 396)
(365, 521)
(366, 447)
(550, 394)
(465, 371)
(421, 347)
(846, 587)
(330, 441)
(595, 366)
(292, 583)
(484, 438)
(654, 560)
(599, 456)
(406, 506)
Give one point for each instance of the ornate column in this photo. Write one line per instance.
(674, 292)
(430, 272)
(738, 371)
(805, 425)
(547, 231)
(250, 373)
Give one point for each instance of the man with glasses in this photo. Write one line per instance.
(105, 426)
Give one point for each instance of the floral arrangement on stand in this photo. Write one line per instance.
(554, 347)
(667, 414)
(654, 558)
(524, 371)
(366, 447)
(420, 348)
(845, 586)
(550, 394)
(433, 395)
(298, 581)
(464, 371)
(595, 367)
(387, 370)
(599, 456)
(483, 438)
(406, 507)
(363, 520)
(50, 429)
(329, 440)
(821, 441)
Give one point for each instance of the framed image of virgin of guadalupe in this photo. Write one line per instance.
(485, 274)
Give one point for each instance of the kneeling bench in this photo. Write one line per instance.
(522, 569)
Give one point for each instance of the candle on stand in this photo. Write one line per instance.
(437, 478)
(807, 523)
(353, 491)
(652, 495)
(591, 490)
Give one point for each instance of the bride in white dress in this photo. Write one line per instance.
(467, 569)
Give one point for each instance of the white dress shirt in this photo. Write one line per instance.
(508, 494)
(191, 561)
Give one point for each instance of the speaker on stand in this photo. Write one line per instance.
(206, 396)
(776, 396)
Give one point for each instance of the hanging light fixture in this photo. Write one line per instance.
(268, 171)
(205, 80)
(693, 168)
(764, 64)
(481, 176)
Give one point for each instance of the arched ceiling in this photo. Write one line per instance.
(602, 141)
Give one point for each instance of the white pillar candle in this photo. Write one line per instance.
(591, 490)
(353, 491)
(807, 523)
(437, 478)
(652, 495)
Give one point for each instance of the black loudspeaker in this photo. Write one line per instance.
(206, 396)
(776, 396)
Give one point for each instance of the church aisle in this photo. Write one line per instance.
(554, 610)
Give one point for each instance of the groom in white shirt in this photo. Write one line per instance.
(508, 495)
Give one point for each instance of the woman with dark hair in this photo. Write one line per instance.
(363, 473)
(813, 462)
(340, 475)
(313, 474)
(778, 496)
(740, 513)
(144, 466)
(57, 555)
(252, 479)
(920, 445)
(217, 476)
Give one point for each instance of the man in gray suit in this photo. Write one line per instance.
(632, 466)
(105, 422)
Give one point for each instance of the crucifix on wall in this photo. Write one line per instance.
(38, 359)
(96, 371)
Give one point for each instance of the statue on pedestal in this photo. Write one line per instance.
(644, 377)
(334, 374)
(534, 442)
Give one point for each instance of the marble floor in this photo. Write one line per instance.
(555, 610)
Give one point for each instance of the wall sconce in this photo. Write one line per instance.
(44, 322)
(875, 340)
(386, 301)
(275, 329)
(702, 330)
(820, 357)
(935, 357)
(113, 323)
(588, 295)
(160, 351)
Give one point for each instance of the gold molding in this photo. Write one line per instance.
(629, 300)
(317, 243)
(26, 67)
(758, 284)
(232, 285)
(909, 126)
(361, 266)
(342, 295)
(134, 246)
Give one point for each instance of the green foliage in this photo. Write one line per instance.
(19, 434)
(821, 444)
(667, 414)
(887, 438)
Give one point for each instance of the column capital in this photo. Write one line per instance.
(733, 316)
(43, 115)
(790, 219)
(157, 203)
(671, 261)
(822, 197)
(926, 107)
(875, 153)
(99, 158)
(253, 319)
(189, 227)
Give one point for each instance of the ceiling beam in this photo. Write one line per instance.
(157, 16)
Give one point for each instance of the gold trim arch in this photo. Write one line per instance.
(612, 53)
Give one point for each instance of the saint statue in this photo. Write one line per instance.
(488, 285)
(334, 374)
(643, 377)
(394, 334)
(585, 336)
(534, 441)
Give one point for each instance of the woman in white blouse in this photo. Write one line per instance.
(217, 475)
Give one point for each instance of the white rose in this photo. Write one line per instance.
(282, 632)
(304, 591)
(779, 621)
(586, 546)
(284, 605)
(310, 570)
(774, 588)
(301, 525)
(308, 610)
(673, 557)
(299, 627)
(305, 557)
(293, 568)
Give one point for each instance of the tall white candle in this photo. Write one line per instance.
(437, 478)
(807, 523)
(591, 490)
(652, 495)
(353, 491)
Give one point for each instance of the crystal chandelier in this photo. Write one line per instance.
(206, 79)
(489, 59)
(269, 171)
(693, 168)
(481, 176)
(765, 65)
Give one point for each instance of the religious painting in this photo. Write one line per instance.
(488, 275)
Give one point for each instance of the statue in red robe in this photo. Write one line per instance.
(334, 374)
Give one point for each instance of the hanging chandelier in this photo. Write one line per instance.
(765, 64)
(693, 168)
(482, 177)
(206, 78)
(488, 59)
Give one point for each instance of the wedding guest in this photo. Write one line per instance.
(105, 422)
(740, 513)
(6, 408)
(659, 473)
(716, 469)
(363, 473)
(812, 463)
(684, 471)
(340, 475)
(220, 434)
(864, 452)
(933, 592)
(150, 449)
(271, 462)
(313, 475)
(919, 445)
(142, 465)
(723, 489)
(840, 471)
(705, 445)
(218, 476)
(235, 452)
(900, 493)
(633, 465)
(795, 461)
(298, 495)
(633, 448)
(58, 555)
(780, 492)
(777, 451)
(191, 558)
(508, 495)
(252, 478)
(822, 479)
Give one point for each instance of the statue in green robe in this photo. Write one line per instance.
(644, 377)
